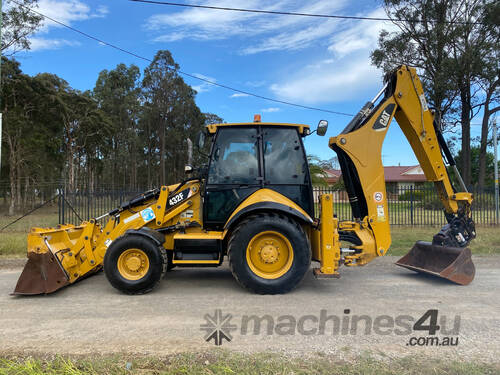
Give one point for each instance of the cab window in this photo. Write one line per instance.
(234, 157)
(284, 158)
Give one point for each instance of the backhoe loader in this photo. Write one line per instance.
(253, 203)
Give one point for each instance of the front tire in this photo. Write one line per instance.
(135, 264)
(269, 253)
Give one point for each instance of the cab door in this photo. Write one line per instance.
(285, 165)
(234, 173)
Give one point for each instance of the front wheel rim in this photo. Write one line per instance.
(133, 264)
(269, 255)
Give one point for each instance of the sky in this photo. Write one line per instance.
(316, 62)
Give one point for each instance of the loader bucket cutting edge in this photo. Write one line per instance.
(452, 263)
(42, 274)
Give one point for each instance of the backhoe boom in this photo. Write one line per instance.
(359, 149)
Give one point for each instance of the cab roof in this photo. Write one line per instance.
(302, 128)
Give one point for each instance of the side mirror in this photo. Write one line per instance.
(200, 139)
(322, 128)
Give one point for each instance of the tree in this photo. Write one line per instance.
(85, 128)
(489, 162)
(29, 106)
(489, 82)
(317, 172)
(472, 58)
(172, 114)
(18, 23)
(118, 95)
(125, 133)
(424, 45)
(452, 57)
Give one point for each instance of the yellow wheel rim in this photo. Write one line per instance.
(269, 255)
(133, 264)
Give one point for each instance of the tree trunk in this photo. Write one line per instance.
(71, 169)
(484, 132)
(18, 184)
(26, 189)
(466, 147)
(12, 177)
(482, 147)
(162, 154)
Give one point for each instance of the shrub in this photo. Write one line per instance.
(407, 196)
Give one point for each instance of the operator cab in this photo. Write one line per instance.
(246, 157)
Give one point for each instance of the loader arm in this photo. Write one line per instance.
(359, 149)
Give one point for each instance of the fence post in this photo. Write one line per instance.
(88, 202)
(495, 152)
(62, 208)
(411, 204)
(59, 205)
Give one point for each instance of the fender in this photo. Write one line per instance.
(267, 199)
(157, 237)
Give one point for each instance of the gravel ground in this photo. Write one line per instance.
(91, 317)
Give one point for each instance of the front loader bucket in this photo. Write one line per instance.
(50, 265)
(42, 274)
(452, 263)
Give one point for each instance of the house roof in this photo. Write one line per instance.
(411, 173)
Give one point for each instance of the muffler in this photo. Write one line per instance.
(452, 263)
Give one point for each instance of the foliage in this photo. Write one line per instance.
(17, 24)
(317, 172)
(407, 196)
(489, 162)
(126, 133)
(457, 61)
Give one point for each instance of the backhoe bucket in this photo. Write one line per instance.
(42, 274)
(452, 263)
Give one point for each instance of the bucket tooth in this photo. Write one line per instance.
(42, 274)
(451, 263)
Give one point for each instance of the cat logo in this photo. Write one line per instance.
(384, 118)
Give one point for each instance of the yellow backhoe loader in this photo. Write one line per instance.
(254, 203)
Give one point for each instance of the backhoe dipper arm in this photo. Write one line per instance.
(359, 149)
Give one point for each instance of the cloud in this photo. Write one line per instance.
(270, 110)
(239, 95)
(341, 73)
(274, 32)
(68, 11)
(345, 74)
(39, 44)
(255, 83)
(361, 35)
(203, 86)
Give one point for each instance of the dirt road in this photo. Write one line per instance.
(91, 317)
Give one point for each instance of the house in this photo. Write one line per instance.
(397, 178)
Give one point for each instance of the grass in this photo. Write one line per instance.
(13, 239)
(487, 241)
(225, 362)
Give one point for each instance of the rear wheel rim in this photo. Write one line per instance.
(269, 255)
(133, 264)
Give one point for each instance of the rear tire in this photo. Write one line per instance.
(269, 253)
(135, 264)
